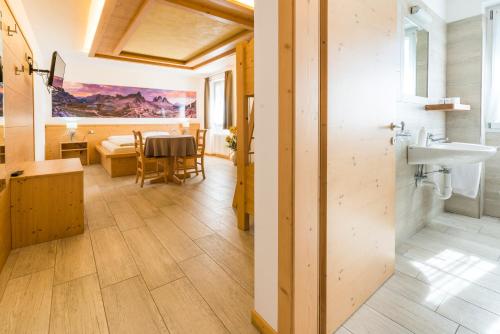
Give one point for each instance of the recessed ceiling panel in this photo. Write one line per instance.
(177, 33)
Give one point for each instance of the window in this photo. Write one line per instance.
(217, 104)
(492, 74)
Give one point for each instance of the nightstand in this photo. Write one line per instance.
(75, 149)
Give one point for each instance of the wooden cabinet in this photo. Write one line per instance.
(46, 201)
(75, 149)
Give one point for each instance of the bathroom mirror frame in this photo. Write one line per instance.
(406, 17)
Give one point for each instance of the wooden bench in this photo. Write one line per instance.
(117, 164)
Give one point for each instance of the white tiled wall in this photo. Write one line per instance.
(415, 206)
(464, 78)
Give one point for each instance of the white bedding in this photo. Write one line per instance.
(113, 148)
(121, 140)
(128, 140)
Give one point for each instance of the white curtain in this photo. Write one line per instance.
(216, 135)
(492, 75)
(217, 104)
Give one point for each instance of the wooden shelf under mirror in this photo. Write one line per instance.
(448, 107)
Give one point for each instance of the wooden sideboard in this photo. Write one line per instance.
(46, 201)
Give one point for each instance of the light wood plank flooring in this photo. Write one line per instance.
(447, 281)
(162, 259)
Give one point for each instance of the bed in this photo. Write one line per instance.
(117, 153)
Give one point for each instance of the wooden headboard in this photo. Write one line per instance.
(57, 133)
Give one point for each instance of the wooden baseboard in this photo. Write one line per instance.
(217, 155)
(261, 324)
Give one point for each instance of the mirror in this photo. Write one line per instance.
(416, 60)
(2, 119)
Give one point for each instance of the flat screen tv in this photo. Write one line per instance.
(57, 69)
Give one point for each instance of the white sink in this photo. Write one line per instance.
(449, 154)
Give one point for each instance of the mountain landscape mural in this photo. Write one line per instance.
(93, 100)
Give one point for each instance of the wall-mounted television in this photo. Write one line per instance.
(57, 69)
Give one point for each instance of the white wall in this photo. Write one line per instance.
(461, 9)
(438, 6)
(266, 162)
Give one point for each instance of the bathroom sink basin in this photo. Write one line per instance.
(449, 154)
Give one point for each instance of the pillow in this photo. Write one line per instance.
(124, 140)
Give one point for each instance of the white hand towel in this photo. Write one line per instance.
(465, 179)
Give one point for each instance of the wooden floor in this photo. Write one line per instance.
(447, 281)
(163, 259)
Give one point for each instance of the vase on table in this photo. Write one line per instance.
(233, 156)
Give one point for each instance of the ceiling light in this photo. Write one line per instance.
(94, 16)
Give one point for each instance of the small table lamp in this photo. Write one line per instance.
(71, 128)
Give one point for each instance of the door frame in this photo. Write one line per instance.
(302, 53)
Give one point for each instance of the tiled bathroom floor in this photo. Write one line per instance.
(447, 281)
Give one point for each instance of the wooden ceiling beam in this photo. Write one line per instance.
(220, 48)
(136, 21)
(156, 59)
(213, 11)
(146, 61)
(107, 11)
(211, 60)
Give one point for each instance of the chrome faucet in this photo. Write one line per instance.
(432, 139)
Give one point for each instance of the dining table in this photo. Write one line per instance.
(169, 147)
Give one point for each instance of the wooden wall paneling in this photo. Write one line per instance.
(363, 67)
(286, 13)
(5, 227)
(18, 131)
(18, 106)
(306, 166)
(56, 133)
(18, 92)
(19, 145)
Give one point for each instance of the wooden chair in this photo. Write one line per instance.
(142, 172)
(198, 160)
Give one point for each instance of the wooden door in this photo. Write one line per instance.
(363, 82)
